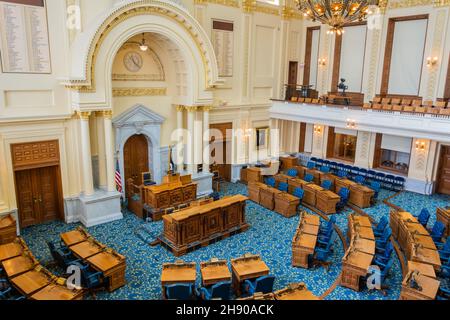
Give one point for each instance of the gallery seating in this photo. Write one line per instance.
(406, 105)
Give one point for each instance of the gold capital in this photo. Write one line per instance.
(180, 108)
(207, 108)
(191, 108)
(107, 114)
(83, 115)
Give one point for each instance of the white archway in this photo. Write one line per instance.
(95, 50)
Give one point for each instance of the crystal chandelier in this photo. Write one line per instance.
(337, 13)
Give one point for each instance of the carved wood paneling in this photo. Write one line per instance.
(35, 154)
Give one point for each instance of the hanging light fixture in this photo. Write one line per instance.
(337, 13)
(142, 45)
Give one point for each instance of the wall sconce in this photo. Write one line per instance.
(351, 124)
(317, 129)
(322, 62)
(420, 146)
(431, 61)
(248, 133)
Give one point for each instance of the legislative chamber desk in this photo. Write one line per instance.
(300, 171)
(178, 272)
(12, 249)
(281, 178)
(343, 183)
(253, 174)
(295, 291)
(361, 196)
(426, 286)
(8, 229)
(288, 162)
(214, 271)
(169, 194)
(326, 201)
(310, 196)
(254, 191)
(414, 239)
(111, 264)
(198, 225)
(267, 197)
(315, 173)
(296, 183)
(286, 204)
(246, 268)
(443, 215)
(18, 265)
(360, 253)
(56, 292)
(305, 240)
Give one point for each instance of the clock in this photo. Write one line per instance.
(133, 61)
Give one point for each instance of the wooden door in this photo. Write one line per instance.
(38, 195)
(225, 144)
(444, 171)
(292, 80)
(135, 155)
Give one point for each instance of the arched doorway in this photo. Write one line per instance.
(135, 154)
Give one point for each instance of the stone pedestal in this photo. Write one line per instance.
(204, 183)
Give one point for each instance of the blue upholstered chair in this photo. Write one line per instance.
(62, 256)
(333, 165)
(283, 186)
(381, 242)
(179, 291)
(326, 230)
(386, 254)
(299, 193)
(438, 231)
(313, 159)
(445, 270)
(271, 182)
(382, 272)
(360, 179)
(308, 177)
(311, 165)
(5, 289)
(399, 183)
(380, 176)
(323, 251)
(444, 249)
(371, 174)
(221, 290)
(320, 162)
(443, 294)
(326, 184)
(325, 169)
(381, 226)
(375, 186)
(424, 217)
(344, 193)
(342, 174)
(292, 172)
(90, 279)
(389, 181)
(261, 285)
(215, 196)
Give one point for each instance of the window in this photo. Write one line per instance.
(393, 153)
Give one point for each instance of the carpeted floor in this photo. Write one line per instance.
(270, 236)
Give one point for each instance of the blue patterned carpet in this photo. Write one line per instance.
(270, 236)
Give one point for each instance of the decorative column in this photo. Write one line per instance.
(86, 162)
(109, 151)
(190, 156)
(101, 150)
(206, 147)
(180, 139)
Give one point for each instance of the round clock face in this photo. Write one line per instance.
(133, 61)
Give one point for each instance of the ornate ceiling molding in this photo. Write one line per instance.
(228, 3)
(139, 92)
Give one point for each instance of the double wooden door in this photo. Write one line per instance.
(444, 171)
(38, 195)
(135, 155)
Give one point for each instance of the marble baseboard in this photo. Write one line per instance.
(204, 183)
(418, 186)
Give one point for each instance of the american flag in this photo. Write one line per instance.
(118, 178)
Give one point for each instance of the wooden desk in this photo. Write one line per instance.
(429, 287)
(113, 266)
(8, 229)
(295, 292)
(32, 281)
(286, 204)
(296, 183)
(201, 224)
(355, 265)
(343, 183)
(55, 292)
(173, 273)
(11, 250)
(254, 174)
(305, 240)
(315, 173)
(18, 265)
(281, 178)
(87, 249)
(170, 194)
(267, 197)
(330, 177)
(310, 194)
(361, 196)
(310, 219)
(247, 267)
(425, 269)
(254, 191)
(427, 256)
(214, 272)
(365, 245)
(395, 217)
(74, 237)
(443, 215)
(288, 162)
(363, 221)
(366, 233)
(326, 201)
